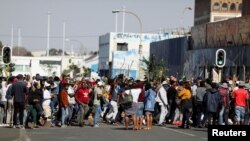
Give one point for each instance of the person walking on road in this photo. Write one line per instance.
(19, 93)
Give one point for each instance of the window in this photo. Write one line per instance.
(216, 6)
(240, 7)
(224, 7)
(122, 46)
(232, 7)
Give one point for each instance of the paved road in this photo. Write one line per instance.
(104, 133)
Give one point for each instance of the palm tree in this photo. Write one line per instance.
(155, 69)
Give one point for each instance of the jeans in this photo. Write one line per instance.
(10, 111)
(33, 113)
(200, 112)
(246, 120)
(73, 109)
(84, 108)
(186, 116)
(3, 112)
(18, 108)
(53, 104)
(212, 117)
(65, 114)
(223, 116)
(98, 112)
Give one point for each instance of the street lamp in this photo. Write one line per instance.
(182, 15)
(48, 33)
(81, 45)
(139, 20)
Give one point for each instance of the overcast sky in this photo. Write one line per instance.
(85, 19)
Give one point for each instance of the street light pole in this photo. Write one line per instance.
(12, 36)
(123, 18)
(116, 22)
(64, 36)
(48, 33)
(181, 18)
(81, 45)
(140, 22)
(137, 17)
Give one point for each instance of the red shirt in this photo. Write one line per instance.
(240, 96)
(82, 95)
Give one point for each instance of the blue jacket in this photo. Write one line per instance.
(212, 100)
(150, 100)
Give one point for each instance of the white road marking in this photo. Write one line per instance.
(188, 134)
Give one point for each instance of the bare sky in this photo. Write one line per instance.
(85, 19)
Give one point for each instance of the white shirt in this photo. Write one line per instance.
(162, 96)
(71, 90)
(71, 100)
(3, 91)
(46, 97)
(135, 93)
(194, 88)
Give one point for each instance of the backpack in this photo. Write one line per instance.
(127, 100)
(213, 101)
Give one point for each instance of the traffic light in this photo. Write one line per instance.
(6, 53)
(220, 58)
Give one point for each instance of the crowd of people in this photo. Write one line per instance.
(52, 101)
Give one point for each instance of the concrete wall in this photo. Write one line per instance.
(172, 51)
(233, 32)
(199, 60)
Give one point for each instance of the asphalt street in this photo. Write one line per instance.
(103, 133)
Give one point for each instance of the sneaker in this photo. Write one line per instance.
(162, 124)
(96, 125)
(21, 127)
(63, 126)
(14, 126)
(174, 123)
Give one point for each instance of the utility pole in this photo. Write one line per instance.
(48, 33)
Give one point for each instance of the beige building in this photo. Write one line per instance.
(216, 10)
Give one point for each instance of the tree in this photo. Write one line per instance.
(20, 51)
(72, 69)
(87, 71)
(155, 69)
(56, 52)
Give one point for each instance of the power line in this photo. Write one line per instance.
(38, 36)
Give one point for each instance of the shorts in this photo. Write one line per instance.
(239, 113)
(140, 107)
(149, 112)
